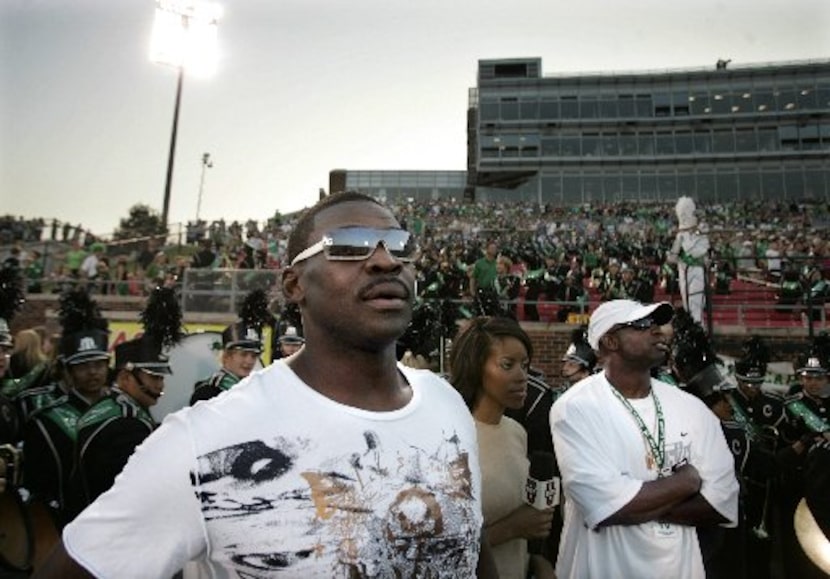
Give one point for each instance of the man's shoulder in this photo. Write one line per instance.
(117, 403)
(589, 384)
(773, 397)
(246, 391)
(106, 409)
(434, 389)
(680, 403)
(583, 393)
(222, 379)
(204, 391)
(423, 378)
(796, 402)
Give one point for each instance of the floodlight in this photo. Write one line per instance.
(184, 35)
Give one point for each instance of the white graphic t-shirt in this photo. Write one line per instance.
(273, 479)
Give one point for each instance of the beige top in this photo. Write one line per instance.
(504, 470)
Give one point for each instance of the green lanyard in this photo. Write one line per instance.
(658, 447)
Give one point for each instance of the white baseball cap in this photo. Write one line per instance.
(616, 312)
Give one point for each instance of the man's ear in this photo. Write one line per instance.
(291, 287)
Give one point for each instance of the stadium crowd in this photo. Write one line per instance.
(538, 249)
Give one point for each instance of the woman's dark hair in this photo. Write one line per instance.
(471, 348)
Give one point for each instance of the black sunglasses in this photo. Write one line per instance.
(640, 325)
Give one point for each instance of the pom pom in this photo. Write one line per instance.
(694, 360)
(78, 312)
(254, 310)
(756, 350)
(692, 350)
(432, 320)
(162, 317)
(579, 335)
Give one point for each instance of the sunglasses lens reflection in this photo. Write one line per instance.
(360, 242)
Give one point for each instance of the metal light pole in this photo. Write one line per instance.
(184, 36)
(206, 164)
(168, 181)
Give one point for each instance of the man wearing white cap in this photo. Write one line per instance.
(643, 463)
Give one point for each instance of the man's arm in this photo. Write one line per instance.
(59, 565)
(657, 498)
(695, 510)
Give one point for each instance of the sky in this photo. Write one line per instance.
(306, 86)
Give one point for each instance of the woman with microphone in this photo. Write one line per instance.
(489, 362)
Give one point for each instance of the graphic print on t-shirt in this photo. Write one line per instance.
(292, 504)
(678, 452)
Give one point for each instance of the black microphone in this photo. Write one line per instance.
(542, 487)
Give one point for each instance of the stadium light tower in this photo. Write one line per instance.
(184, 37)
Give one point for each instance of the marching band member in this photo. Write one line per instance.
(109, 432)
(50, 433)
(690, 251)
(241, 348)
(807, 425)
